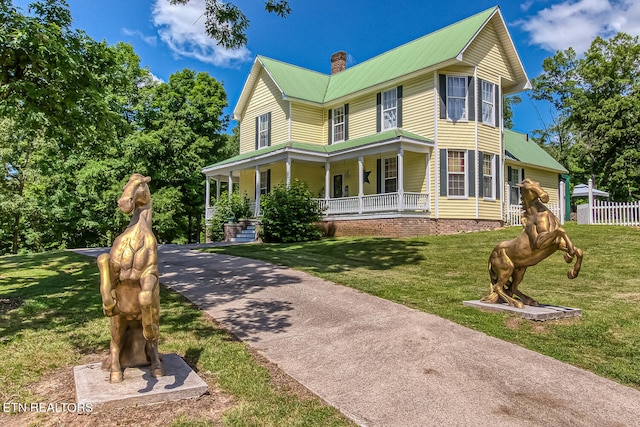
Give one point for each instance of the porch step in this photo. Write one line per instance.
(246, 236)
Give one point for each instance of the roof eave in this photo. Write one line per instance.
(245, 94)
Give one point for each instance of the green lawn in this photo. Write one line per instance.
(435, 274)
(51, 315)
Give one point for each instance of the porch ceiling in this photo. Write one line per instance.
(368, 145)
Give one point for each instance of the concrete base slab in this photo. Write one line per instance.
(541, 313)
(139, 387)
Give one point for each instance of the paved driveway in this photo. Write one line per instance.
(383, 364)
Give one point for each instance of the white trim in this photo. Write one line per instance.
(436, 118)
(476, 137)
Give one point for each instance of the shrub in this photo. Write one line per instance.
(228, 210)
(289, 214)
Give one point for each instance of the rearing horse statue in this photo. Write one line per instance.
(542, 235)
(129, 286)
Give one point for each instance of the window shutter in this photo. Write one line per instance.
(268, 181)
(443, 96)
(378, 112)
(471, 172)
(480, 174)
(346, 122)
(497, 108)
(509, 180)
(269, 129)
(496, 169)
(443, 172)
(330, 132)
(399, 106)
(522, 174)
(471, 98)
(379, 176)
(257, 131)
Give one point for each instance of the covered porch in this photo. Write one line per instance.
(387, 173)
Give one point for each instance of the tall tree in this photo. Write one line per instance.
(181, 124)
(594, 102)
(227, 24)
(607, 113)
(62, 100)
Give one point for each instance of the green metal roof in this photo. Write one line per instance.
(432, 49)
(390, 135)
(296, 82)
(518, 147)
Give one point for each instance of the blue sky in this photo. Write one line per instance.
(170, 38)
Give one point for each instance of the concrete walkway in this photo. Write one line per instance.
(383, 364)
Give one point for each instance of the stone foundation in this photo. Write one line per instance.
(403, 226)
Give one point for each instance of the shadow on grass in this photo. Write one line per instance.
(324, 256)
(58, 294)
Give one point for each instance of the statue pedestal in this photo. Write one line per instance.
(540, 313)
(139, 387)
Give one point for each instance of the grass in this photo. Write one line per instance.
(435, 274)
(51, 315)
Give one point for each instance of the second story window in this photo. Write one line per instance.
(263, 131)
(456, 98)
(488, 99)
(389, 109)
(338, 124)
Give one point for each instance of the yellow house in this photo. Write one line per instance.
(410, 142)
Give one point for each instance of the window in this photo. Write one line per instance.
(514, 190)
(456, 173)
(391, 175)
(264, 183)
(488, 99)
(487, 176)
(338, 124)
(456, 98)
(263, 130)
(389, 109)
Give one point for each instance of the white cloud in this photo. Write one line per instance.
(575, 23)
(150, 40)
(182, 28)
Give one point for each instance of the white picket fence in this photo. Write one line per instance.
(513, 213)
(609, 213)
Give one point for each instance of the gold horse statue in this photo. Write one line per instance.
(129, 286)
(542, 235)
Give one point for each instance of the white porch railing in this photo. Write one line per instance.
(375, 203)
(513, 213)
(610, 213)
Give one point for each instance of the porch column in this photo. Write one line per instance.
(327, 180)
(257, 208)
(230, 184)
(400, 179)
(561, 202)
(288, 171)
(207, 194)
(360, 183)
(428, 181)
(217, 189)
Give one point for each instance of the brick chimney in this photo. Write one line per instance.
(338, 62)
